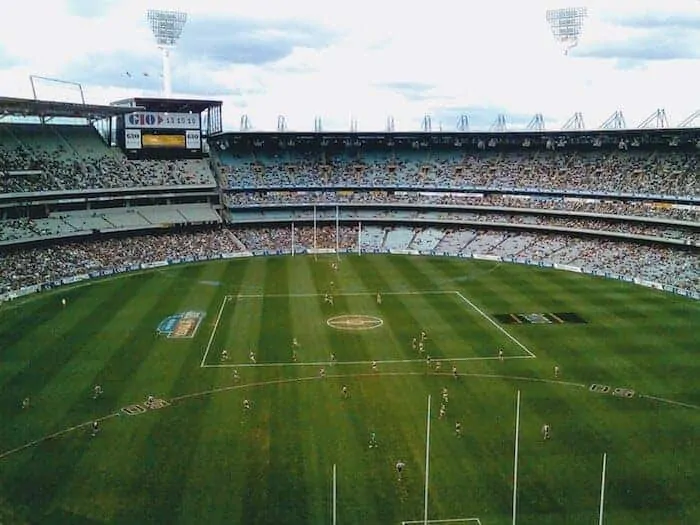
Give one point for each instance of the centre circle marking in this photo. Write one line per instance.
(355, 322)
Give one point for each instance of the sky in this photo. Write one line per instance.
(366, 60)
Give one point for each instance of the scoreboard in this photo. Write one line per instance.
(158, 134)
(135, 139)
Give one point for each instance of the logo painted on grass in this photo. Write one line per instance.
(541, 318)
(181, 326)
(355, 322)
(155, 404)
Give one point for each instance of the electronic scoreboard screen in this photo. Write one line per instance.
(163, 141)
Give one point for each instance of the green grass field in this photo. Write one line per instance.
(203, 458)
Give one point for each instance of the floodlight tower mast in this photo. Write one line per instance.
(566, 25)
(167, 27)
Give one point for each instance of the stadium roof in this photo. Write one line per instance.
(27, 107)
(172, 105)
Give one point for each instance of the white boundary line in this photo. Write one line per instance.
(213, 331)
(56, 434)
(494, 323)
(174, 400)
(670, 401)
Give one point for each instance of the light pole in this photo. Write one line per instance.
(566, 25)
(166, 27)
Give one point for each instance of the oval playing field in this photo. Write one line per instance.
(195, 454)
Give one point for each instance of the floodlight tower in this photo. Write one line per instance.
(167, 27)
(566, 25)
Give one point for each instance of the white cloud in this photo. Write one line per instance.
(498, 54)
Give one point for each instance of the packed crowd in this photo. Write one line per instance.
(24, 172)
(19, 268)
(638, 172)
(25, 267)
(62, 157)
(610, 207)
(20, 229)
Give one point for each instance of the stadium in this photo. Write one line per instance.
(258, 327)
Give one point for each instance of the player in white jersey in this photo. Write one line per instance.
(500, 354)
(454, 372)
(345, 392)
(322, 372)
(443, 411)
(556, 372)
(333, 359)
(458, 429)
(96, 392)
(438, 366)
(379, 298)
(95, 428)
(423, 335)
(149, 401)
(224, 355)
(445, 397)
(545, 432)
(295, 356)
(25, 403)
(64, 302)
(246, 404)
(374, 366)
(251, 356)
(400, 466)
(414, 344)
(421, 347)
(373, 440)
(236, 377)
(295, 343)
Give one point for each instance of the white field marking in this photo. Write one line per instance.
(173, 400)
(355, 322)
(262, 296)
(342, 294)
(671, 402)
(213, 331)
(453, 520)
(494, 323)
(338, 363)
(55, 435)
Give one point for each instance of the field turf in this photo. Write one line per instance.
(203, 458)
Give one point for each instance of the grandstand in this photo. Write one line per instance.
(565, 199)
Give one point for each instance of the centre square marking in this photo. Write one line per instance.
(355, 322)
(353, 325)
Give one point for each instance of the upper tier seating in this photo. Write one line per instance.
(607, 206)
(63, 157)
(640, 172)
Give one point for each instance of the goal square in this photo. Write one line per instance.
(356, 328)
